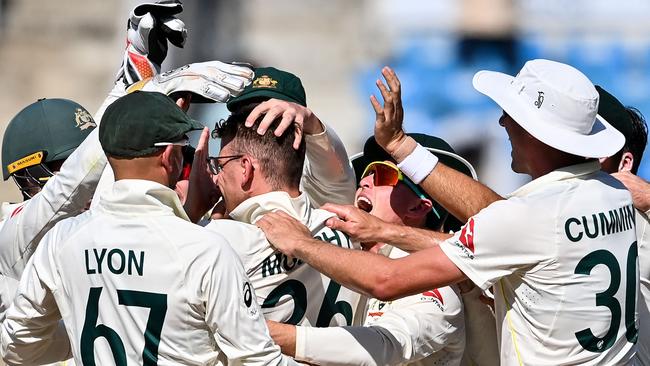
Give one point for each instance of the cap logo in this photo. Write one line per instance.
(264, 81)
(84, 119)
(540, 99)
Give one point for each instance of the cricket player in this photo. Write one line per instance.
(257, 174)
(135, 273)
(32, 160)
(423, 329)
(560, 251)
(624, 165)
(327, 175)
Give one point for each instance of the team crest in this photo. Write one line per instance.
(264, 81)
(84, 119)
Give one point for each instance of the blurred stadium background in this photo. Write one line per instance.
(71, 49)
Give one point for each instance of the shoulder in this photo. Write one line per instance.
(235, 231)
(245, 239)
(506, 213)
(69, 227)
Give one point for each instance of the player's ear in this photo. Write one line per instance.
(626, 163)
(169, 161)
(248, 169)
(420, 208)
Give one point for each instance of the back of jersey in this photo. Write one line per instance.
(598, 260)
(578, 305)
(289, 290)
(138, 289)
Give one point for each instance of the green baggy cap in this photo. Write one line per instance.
(271, 83)
(134, 123)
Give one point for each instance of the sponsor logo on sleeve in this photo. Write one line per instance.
(17, 211)
(435, 296)
(249, 302)
(466, 239)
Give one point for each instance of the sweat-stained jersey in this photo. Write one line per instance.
(289, 290)
(137, 283)
(425, 329)
(561, 253)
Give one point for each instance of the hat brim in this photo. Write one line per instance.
(261, 93)
(603, 140)
(373, 152)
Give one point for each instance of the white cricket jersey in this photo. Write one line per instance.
(289, 290)
(137, 283)
(643, 304)
(481, 346)
(423, 329)
(561, 253)
(66, 194)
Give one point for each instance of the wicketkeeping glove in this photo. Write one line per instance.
(149, 28)
(209, 82)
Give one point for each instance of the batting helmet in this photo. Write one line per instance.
(45, 131)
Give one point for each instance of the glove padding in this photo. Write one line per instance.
(149, 28)
(208, 82)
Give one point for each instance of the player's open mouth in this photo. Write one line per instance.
(364, 204)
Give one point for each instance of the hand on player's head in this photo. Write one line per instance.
(290, 113)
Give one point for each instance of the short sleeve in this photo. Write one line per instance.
(503, 238)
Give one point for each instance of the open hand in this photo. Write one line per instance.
(283, 231)
(202, 192)
(290, 113)
(389, 117)
(358, 224)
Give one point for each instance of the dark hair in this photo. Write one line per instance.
(280, 163)
(636, 144)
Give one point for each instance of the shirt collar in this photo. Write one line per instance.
(568, 172)
(254, 208)
(134, 197)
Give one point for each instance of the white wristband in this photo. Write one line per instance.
(418, 164)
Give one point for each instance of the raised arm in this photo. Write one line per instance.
(366, 228)
(461, 195)
(327, 174)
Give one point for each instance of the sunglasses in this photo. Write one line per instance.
(388, 174)
(215, 167)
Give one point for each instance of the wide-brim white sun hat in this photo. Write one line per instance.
(556, 104)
